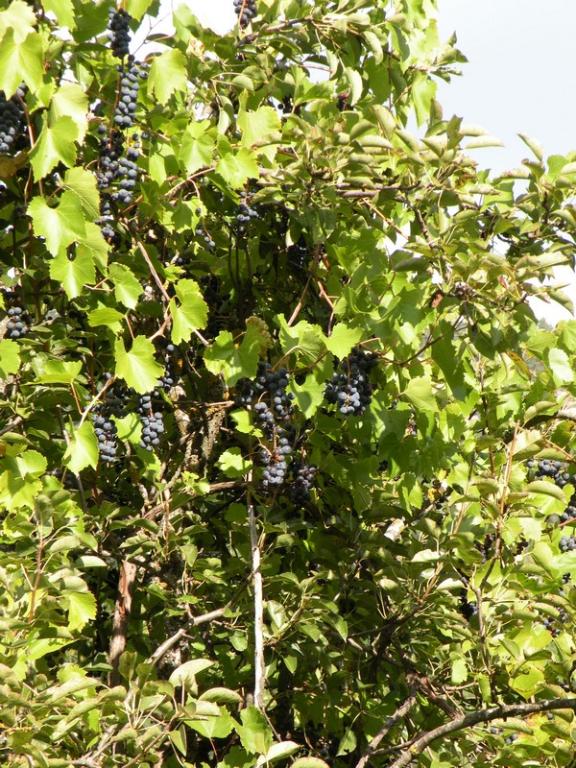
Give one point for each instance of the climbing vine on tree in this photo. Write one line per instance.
(286, 460)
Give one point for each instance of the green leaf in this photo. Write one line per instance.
(138, 367)
(237, 168)
(533, 145)
(71, 101)
(81, 609)
(309, 395)
(355, 82)
(233, 464)
(260, 127)
(83, 185)
(185, 674)
(9, 357)
(129, 428)
(137, 8)
(342, 340)
(421, 394)
(459, 671)
(189, 310)
(197, 146)
(31, 463)
(234, 361)
(304, 338)
(279, 751)
(544, 557)
(167, 75)
(107, 316)
(127, 288)
(561, 367)
(20, 18)
(255, 733)
(56, 144)
(178, 738)
(347, 743)
(74, 274)
(221, 696)
(20, 61)
(545, 488)
(57, 371)
(59, 226)
(309, 762)
(82, 450)
(216, 727)
(63, 10)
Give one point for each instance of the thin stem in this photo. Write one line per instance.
(474, 718)
(259, 665)
(398, 715)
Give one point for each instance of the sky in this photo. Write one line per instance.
(519, 78)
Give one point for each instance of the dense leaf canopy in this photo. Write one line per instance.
(286, 469)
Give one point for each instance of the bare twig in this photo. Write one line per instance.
(398, 715)
(121, 615)
(259, 666)
(475, 718)
(181, 633)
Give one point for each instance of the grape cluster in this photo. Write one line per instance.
(125, 109)
(117, 172)
(12, 122)
(466, 608)
(245, 10)
(555, 470)
(119, 32)
(567, 543)
(17, 325)
(268, 383)
(245, 215)
(275, 463)
(299, 254)
(113, 404)
(168, 378)
(302, 482)
(350, 389)
(152, 422)
(266, 397)
(551, 624)
(205, 236)
(570, 511)
(107, 436)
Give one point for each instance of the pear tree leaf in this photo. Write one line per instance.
(81, 609)
(255, 733)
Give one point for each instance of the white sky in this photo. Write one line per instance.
(519, 77)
